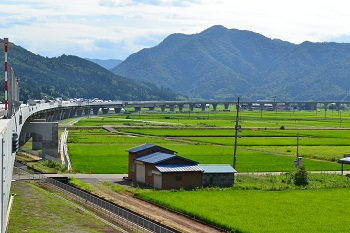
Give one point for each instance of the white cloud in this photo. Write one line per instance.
(117, 28)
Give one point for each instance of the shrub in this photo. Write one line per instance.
(282, 127)
(301, 176)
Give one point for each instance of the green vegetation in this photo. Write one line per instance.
(320, 210)
(37, 210)
(75, 77)
(210, 139)
(221, 63)
(295, 201)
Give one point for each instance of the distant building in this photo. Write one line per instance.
(163, 169)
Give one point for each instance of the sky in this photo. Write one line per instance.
(114, 29)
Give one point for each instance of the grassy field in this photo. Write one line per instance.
(268, 142)
(208, 137)
(321, 210)
(37, 210)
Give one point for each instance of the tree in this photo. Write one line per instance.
(301, 176)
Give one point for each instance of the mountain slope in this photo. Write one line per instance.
(107, 64)
(74, 77)
(221, 63)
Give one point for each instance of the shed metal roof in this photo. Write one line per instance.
(345, 160)
(141, 148)
(173, 167)
(217, 168)
(154, 158)
(145, 147)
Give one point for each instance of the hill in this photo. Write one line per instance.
(221, 63)
(73, 77)
(107, 64)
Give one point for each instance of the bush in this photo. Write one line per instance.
(301, 176)
(282, 127)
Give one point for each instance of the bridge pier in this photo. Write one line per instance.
(73, 112)
(79, 112)
(215, 107)
(337, 106)
(45, 137)
(117, 110)
(162, 108)
(95, 110)
(105, 110)
(172, 107)
(87, 111)
(203, 107)
(66, 113)
(137, 109)
(191, 106)
(181, 107)
(151, 108)
(226, 105)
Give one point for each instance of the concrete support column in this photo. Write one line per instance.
(337, 107)
(172, 107)
(80, 112)
(117, 110)
(181, 107)
(286, 106)
(191, 107)
(325, 107)
(66, 113)
(95, 110)
(105, 110)
(137, 109)
(87, 111)
(72, 113)
(215, 107)
(314, 107)
(151, 108)
(37, 141)
(203, 107)
(49, 117)
(45, 137)
(274, 104)
(299, 106)
(250, 106)
(226, 106)
(162, 108)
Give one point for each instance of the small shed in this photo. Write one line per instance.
(217, 174)
(168, 171)
(345, 160)
(142, 150)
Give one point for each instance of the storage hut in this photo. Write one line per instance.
(217, 174)
(141, 150)
(168, 171)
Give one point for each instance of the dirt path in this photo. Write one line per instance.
(169, 218)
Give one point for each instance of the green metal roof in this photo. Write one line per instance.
(217, 168)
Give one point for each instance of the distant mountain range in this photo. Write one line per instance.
(221, 63)
(107, 64)
(74, 77)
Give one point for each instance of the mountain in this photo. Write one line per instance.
(74, 77)
(221, 63)
(107, 64)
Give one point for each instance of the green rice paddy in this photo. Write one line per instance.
(267, 143)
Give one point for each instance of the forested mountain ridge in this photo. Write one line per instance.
(74, 77)
(107, 64)
(221, 63)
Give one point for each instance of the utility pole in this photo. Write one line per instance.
(236, 134)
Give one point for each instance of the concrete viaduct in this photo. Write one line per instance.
(38, 121)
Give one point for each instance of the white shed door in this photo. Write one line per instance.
(140, 173)
(157, 181)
